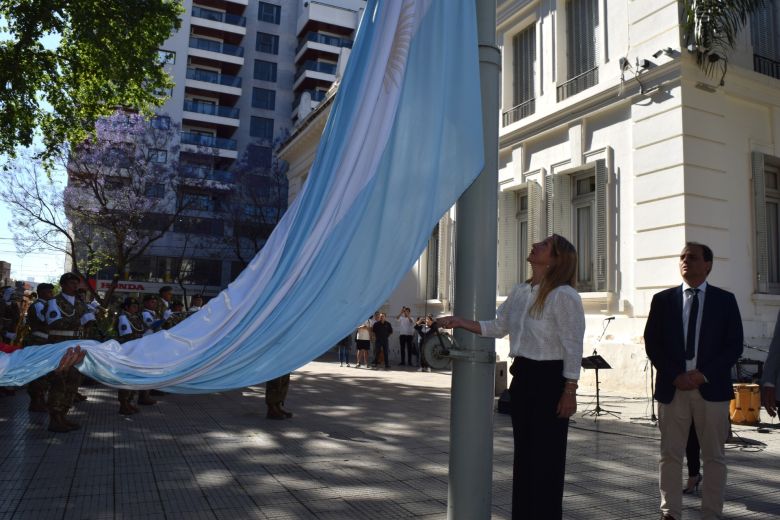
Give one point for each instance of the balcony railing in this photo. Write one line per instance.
(198, 171)
(214, 77)
(316, 95)
(516, 113)
(218, 16)
(214, 46)
(322, 38)
(210, 109)
(578, 84)
(317, 66)
(766, 66)
(208, 140)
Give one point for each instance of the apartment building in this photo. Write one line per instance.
(245, 72)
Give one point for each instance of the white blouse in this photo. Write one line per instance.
(557, 334)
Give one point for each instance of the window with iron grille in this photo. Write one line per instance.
(582, 22)
(765, 39)
(523, 63)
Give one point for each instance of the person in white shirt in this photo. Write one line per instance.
(545, 321)
(405, 333)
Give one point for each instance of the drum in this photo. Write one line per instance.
(746, 405)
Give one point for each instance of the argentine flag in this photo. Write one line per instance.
(403, 141)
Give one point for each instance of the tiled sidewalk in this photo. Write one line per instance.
(363, 445)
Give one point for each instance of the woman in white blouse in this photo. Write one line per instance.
(546, 324)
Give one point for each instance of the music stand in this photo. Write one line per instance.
(596, 362)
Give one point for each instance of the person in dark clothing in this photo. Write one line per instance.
(382, 331)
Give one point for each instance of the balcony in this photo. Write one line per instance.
(208, 141)
(766, 66)
(316, 37)
(516, 113)
(218, 16)
(202, 172)
(216, 50)
(208, 80)
(316, 66)
(210, 109)
(578, 83)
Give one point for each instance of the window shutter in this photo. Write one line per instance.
(444, 247)
(562, 206)
(762, 31)
(582, 19)
(602, 260)
(535, 209)
(524, 45)
(759, 206)
(507, 226)
(549, 197)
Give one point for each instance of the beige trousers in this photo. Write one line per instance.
(712, 427)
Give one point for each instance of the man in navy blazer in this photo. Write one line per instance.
(693, 337)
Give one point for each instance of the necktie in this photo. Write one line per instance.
(690, 342)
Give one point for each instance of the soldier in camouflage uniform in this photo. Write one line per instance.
(68, 318)
(129, 326)
(177, 315)
(38, 335)
(11, 315)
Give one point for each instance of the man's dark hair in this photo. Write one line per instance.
(69, 276)
(706, 252)
(44, 287)
(165, 289)
(148, 297)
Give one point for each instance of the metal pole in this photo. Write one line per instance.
(473, 379)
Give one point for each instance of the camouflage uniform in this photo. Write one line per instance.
(174, 319)
(38, 335)
(129, 326)
(65, 323)
(11, 316)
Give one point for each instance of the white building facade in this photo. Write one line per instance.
(612, 137)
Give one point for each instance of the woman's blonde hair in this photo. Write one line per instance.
(562, 272)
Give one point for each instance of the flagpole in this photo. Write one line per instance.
(473, 378)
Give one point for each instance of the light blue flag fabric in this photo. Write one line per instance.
(403, 141)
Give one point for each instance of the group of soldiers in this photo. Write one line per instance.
(67, 316)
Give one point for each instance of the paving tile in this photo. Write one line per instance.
(381, 456)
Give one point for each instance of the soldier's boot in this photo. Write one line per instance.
(37, 405)
(125, 408)
(286, 413)
(57, 423)
(144, 399)
(72, 425)
(275, 412)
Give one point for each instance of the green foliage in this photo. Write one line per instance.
(64, 63)
(711, 27)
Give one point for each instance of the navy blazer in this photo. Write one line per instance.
(720, 342)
